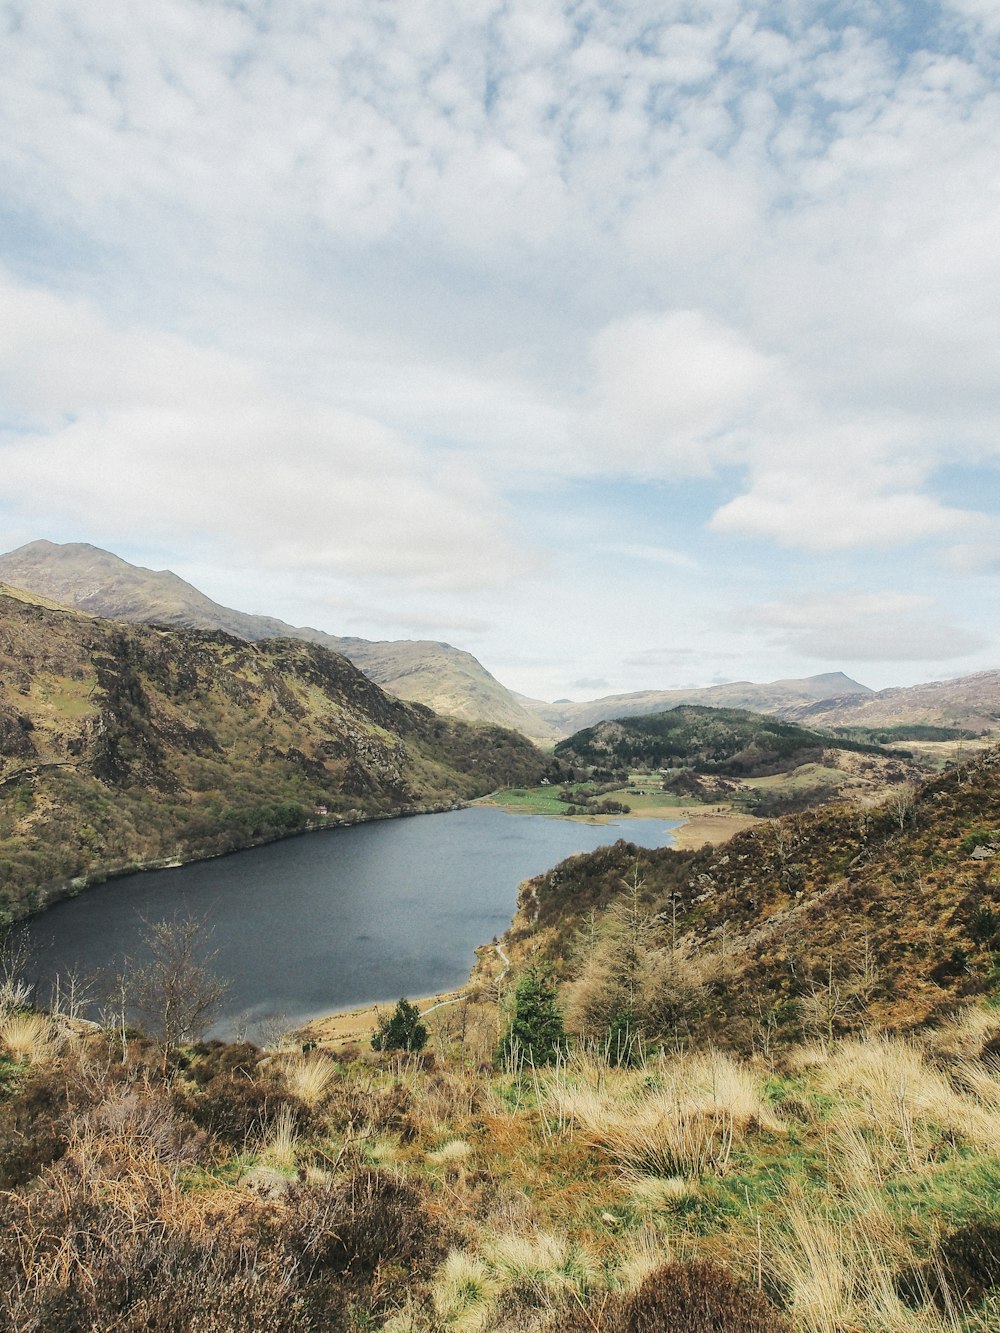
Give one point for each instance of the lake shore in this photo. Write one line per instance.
(353, 1026)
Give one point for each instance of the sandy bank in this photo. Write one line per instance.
(349, 1027)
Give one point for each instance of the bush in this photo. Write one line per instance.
(966, 1265)
(699, 1297)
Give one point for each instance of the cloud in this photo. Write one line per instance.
(673, 389)
(312, 289)
(145, 434)
(590, 683)
(973, 558)
(862, 627)
(654, 555)
(811, 509)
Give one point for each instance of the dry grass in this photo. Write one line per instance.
(677, 1118)
(900, 1097)
(309, 1078)
(455, 1150)
(841, 1275)
(28, 1037)
(280, 1149)
(464, 1292)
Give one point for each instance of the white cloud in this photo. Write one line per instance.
(654, 555)
(811, 509)
(674, 390)
(329, 282)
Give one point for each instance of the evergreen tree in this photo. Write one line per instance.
(536, 1027)
(401, 1030)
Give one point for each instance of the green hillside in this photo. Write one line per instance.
(886, 914)
(727, 741)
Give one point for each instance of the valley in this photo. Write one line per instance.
(748, 1079)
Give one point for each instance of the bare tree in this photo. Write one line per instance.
(176, 993)
(902, 804)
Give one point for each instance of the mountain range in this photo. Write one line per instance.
(452, 681)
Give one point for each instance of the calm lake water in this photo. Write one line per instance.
(335, 918)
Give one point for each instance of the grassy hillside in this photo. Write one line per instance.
(444, 678)
(772, 1106)
(122, 745)
(761, 764)
(829, 919)
(728, 741)
(829, 1187)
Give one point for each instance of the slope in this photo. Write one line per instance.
(782, 697)
(125, 744)
(966, 703)
(729, 741)
(87, 578)
(824, 921)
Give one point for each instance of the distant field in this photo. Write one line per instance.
(544, 801)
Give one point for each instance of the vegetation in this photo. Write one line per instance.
(822, 1188)
(401, 1030)
(725, 741)
(535, 1033)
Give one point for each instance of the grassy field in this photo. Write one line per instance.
(842, 1187)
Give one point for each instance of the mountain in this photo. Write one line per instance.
(89, 579)
(452, 681)
(966, 703)
(781, 697)
(122, 745)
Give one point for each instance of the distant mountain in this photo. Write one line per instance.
(89, 579)
(966, 703)
(453, 682)
(781, 697)
(124, 744)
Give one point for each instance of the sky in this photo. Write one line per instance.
(626, 345)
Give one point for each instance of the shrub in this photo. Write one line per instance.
(236, 1108)
(536, 1026)
(965, 1266)
(698, 1297)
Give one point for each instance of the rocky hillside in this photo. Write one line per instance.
(445, 678)
(966, 703)
(126, 744)
(816, 922)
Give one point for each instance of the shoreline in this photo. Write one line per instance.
(346, 1027)
(696, 825)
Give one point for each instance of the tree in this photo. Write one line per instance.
(401, 1030)
(536, 1027)
(176, 994)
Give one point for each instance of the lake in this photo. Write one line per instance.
(332, 919)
